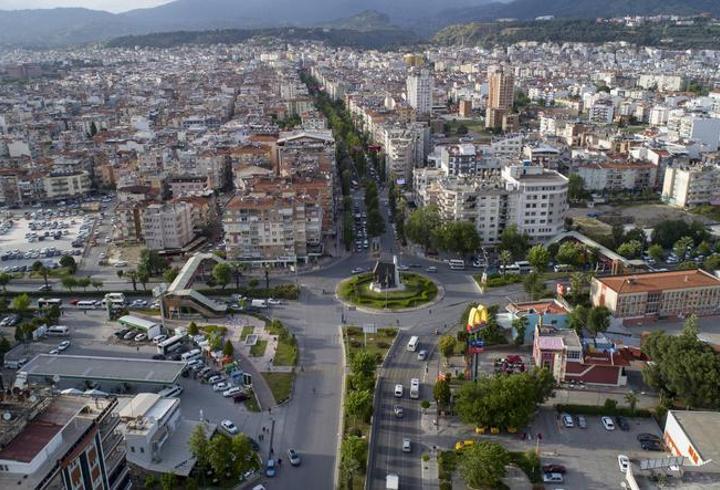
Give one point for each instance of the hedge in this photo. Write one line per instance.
(603, 410)
(284, 291)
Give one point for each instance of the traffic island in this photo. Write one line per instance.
(417, 291)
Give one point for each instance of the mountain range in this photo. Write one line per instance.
(69, 26)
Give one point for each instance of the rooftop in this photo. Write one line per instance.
(637, 283)
(701, 427)
(104, 368)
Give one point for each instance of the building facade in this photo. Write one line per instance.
(692, 185)
(167, 226)
(419, 86)
(501, 84)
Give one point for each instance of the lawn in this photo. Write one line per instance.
(213, 329)
(377, 344)
(251, 403)
(280, 384)
(258, 350)
(286, 353)
(246, 330)
(418, 290)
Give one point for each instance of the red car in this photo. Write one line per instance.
(74, 302)
(553, 468)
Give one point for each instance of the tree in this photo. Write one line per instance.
(683, 246)
(167, 481)
(375, 223)
(193, 329)
(21, 303)
(712, 263)
(69, 263)
(222, 273)
(83, 282)
(424, 405)
(520, 325)
(152, 261)
(446, 345)
(503, 401)
(576, 188)
(170, 274)
(143, 275)
(483, 465)
(656, 252)
(151, 481)
(631, 249)
(97, 284)
(5, 279)
(691, 327)
(460, 237)
(505, 258)
(353, 455)
(598, 319)
(93, 129)
(228, 348)
(359, 405)
(198, 444)
(704, 248)
(569, 253)
(577, 319)
(631, 399)
(514, 241)
(231, 456)
(538, 256)
(422, 224)
(133, 277)
(39, 268)
(578, 282)
(364, 364)
(68, 282)
(534, 285)
(441, 392)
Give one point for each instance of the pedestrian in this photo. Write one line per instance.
(430, 311)
(280, 462)
(138, 348)
(263, 429)
(272, 451)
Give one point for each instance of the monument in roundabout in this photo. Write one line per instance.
(386, 276)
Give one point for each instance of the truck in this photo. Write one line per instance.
(259, 303)
(392, 481)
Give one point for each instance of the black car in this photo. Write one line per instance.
(648, 437)
(240, 397)
(120, 334)
(254, 444)
(623, 423)
(159, 357)
(652, 445)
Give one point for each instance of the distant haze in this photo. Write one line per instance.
(107, 5)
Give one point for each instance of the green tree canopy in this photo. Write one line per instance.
(441, 392)
(198, 444)
(359, 404)
(222, 274)
(228, 348)
(422, 224)
(569, 253)
(460, 237)
(598, 319)
(5, 279)
(446, 345)
(483, 465)
(538, 256)
(656, 252)
(514, 241)
(576, 188)
(631, 249)
(68, 262)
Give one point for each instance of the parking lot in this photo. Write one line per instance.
(591, 455)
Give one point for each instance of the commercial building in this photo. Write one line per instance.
(419, 86)
(691, 185)
(167, 226)
(61, 442)
(693, 435)
(638, 297)
(501, 83)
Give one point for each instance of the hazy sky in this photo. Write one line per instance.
(109, 5)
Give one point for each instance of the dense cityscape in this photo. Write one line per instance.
(280, 264)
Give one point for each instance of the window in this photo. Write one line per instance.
(132, 449)
(142, 450)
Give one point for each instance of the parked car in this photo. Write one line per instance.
(623, 463)
(159, 338)
(623, 423)
(63, 345)
(229, 427)
(129, 335)
(399, 390)
(582, 423)
(274, 302)
(568, 421)
(270, 468)
(553, 478)
(399, 413)
(222, 386)
(232, 391)
(215, 379)
(294, 457)
(608, 423)
(432, 268)
(554, 468)
(121, 333)
(652, 445)
(140, 337)
(422, 355)
(358, 270)
(240, 397)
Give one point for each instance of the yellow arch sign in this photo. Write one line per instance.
(478, 316)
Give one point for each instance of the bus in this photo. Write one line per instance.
(413, 343)
(48, 302)
(60, 330)
(414, 388)
(86, 305)
(170, 344)
(190, 355)
(457, 265)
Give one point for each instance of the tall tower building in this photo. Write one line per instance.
(419, 85)
(500, 95)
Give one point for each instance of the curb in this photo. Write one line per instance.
(438, 298)
(341, 419)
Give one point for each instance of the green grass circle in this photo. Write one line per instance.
(419, 290)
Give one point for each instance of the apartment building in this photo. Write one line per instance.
(66, 184)
(602, 111)
(167, 226)
(62, 442)
(419, 86)
(704, 130)
(272, 229)
(618, 176)
(538, 201)
(655, 295)
(501, 84)
(691, 185)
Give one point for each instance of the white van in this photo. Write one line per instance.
(259, 303)
(414, 388)
(524, 266)
(190, 355)
(86, 305)
(58, 330)
(413, 343)
(170, 391)
(510, 269)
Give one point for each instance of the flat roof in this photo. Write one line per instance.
(701, 427)
(137, 322)
(105, 368)
(659, 281)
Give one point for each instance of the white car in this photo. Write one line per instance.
(232, 392)
(608, 423)
(54, 351)
(407, 446)
(229, 427)
(159, 338)
(222, 386)
(272, 301)
(63, 345)
(358, 270)
(432, 268)
(623, 463)
(213, 380)
(553, 478)
(120, 264)
(399, 391)
(568, 421)
(140, 337)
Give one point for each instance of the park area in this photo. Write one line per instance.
(418, 290)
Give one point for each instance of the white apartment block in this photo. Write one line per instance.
(692, 185)
(167, 226)
(272, 229)
(148, 422)
(61, 185)
(663, 83)
(704, 130)
(610, 176)
(602, 111)
(659, 115)
(419, 86)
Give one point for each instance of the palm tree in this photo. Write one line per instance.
(133, 277)
(632, 399)
(40, 268)
(5, 278)
(505, 258)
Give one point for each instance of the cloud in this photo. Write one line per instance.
(108, 5)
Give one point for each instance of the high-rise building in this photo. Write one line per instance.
(419, 85)
(500, 95)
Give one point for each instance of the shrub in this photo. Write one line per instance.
(356, 344)
(383, 345)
